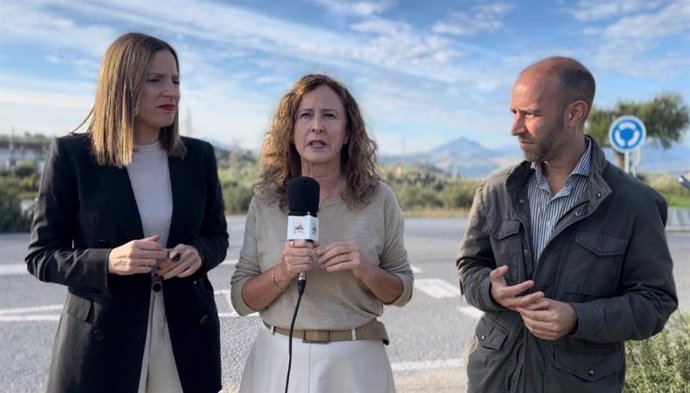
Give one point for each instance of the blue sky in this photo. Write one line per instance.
(424, 72)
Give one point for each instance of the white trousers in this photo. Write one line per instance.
(158, 370)
(340, 366)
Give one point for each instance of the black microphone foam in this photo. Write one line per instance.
(303, 196)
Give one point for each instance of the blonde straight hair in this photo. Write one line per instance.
(122, 74)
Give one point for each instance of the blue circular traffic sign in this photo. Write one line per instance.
(627, 133)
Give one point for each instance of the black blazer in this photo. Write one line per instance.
(83, 211)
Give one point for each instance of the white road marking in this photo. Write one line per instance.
(13, 269)
(19, 269)
(23, 314)
(471, 312)
(437, 288)
(28, 314)
(225, 293)
(426, 364)
(30, 318)
(229, 262)
(25, 310)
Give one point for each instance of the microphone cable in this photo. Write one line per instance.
(301, 284)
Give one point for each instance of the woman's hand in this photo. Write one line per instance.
(137, 256)
(344, 255)
(297, 258)
(181, 261)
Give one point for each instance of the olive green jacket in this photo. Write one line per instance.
(608, 257)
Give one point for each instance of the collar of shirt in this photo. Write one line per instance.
(581, 169)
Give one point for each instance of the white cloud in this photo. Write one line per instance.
(413, 83)
(484, 18)
(33, 22)
(375, 43)
(631, 44)
(592, 10)
(355, 8)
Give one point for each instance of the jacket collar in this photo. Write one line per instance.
(117, 188)
(120, 197)
(597, 191)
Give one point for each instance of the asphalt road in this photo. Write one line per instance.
(427, 335)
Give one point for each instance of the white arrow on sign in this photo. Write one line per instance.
(627, 133)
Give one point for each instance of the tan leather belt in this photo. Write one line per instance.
(373, 330)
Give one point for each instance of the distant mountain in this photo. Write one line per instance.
(463, 157)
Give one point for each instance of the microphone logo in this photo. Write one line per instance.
(303, 228)
(303, 207)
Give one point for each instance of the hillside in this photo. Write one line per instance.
(466, 158)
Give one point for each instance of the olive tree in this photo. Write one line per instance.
(666, 118)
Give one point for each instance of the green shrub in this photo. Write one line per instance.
(459, 194)
(675, 194)
(236, 182)
(12, 219)
(236, 197)
(661, 363)
(29, 184)
(418, 196)
(25, 169)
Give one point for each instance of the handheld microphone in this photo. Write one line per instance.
(303, 207)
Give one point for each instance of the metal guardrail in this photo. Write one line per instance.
(678, 219)
(684, 181)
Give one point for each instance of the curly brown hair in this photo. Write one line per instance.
(280, 159)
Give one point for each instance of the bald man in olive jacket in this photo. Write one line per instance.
(565, 254)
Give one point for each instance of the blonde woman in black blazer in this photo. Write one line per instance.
(140, 313)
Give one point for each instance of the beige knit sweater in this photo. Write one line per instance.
(331, 300)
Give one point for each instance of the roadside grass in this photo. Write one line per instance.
(675, 194)
(661, 363)
(435, 212)
(677, 200)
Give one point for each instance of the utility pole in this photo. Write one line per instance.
(189, 129)
(12, 162)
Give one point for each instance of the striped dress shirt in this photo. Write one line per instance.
(547, 209)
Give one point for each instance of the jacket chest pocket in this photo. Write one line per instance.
(506, 245)
(596, 255)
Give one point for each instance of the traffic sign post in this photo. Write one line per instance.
(626, 134)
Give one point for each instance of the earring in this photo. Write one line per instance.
(136, 110)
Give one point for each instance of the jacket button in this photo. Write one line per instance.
(522, 201)
(578, 213)
(203, 320)
(525, 251)
(482, 338)
(598, 195)
(156, 287)
(99, 335)
(590, 373)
